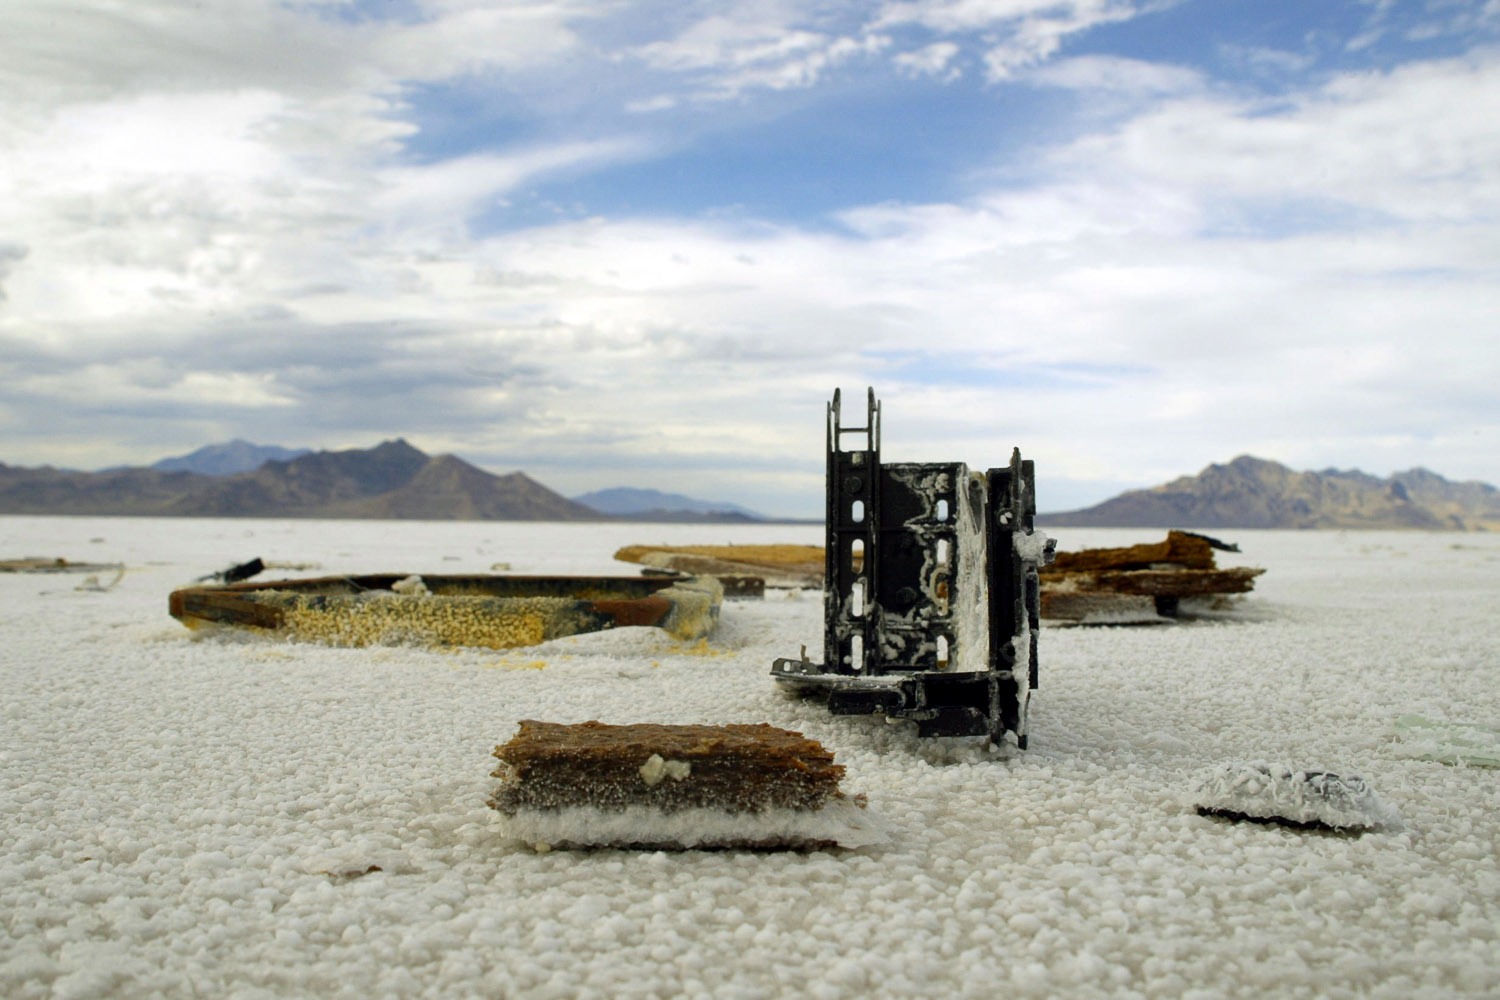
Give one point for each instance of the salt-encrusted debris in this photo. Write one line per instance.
(1140, 583)
(674, 787)
(930, 602)
(410, 586)
(498, 612)
(775, 565)
(1279, 793)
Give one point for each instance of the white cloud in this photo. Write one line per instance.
(472, 36)
(727, 56)
(953, 16)
(1117, 75)
(1419, 142)
(448, 191)
(931, 60)
(218, 214)
(1019, 33)
(152, 383)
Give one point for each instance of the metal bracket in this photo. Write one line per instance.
(931, 599)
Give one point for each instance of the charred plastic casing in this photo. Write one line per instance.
(931, 596)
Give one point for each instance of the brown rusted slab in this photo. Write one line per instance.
(1179, 549)
(1174, 583)
(215, 605)
(737, 768)
(1139, 583)
(642, 611)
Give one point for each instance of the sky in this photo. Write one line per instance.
(631, 242)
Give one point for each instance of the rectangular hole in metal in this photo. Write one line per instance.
(942, 510)
(857, 598)
(942, 652)
(857, 652)
(857, 511)
(942, 552)
(857, 555)
(861, 443)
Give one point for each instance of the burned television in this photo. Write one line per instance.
(931, 597)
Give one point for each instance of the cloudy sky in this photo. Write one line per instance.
(639, 242)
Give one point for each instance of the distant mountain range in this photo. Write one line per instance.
(391, 480)
(396, 480)
(654, 505)
(1255, 493)
(228, 458)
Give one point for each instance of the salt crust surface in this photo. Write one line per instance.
(204, 816)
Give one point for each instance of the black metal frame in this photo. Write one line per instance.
(930, 608)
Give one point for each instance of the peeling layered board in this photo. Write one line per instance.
(657, 787)
(1142, 584)
(931, 598)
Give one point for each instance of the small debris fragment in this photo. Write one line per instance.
(41, 564)
(411, 586)
(1214, 542)
(91, 582)
(1278, 793)
(236, 573)
(352, 862)
(655, 769)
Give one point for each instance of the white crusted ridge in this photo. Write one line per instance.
(1278, 791)
(1031, 546)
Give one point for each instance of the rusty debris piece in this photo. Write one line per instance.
(1181, 550)
(674, 787)
(1141, 583)
(776, 565)
(498, 612)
